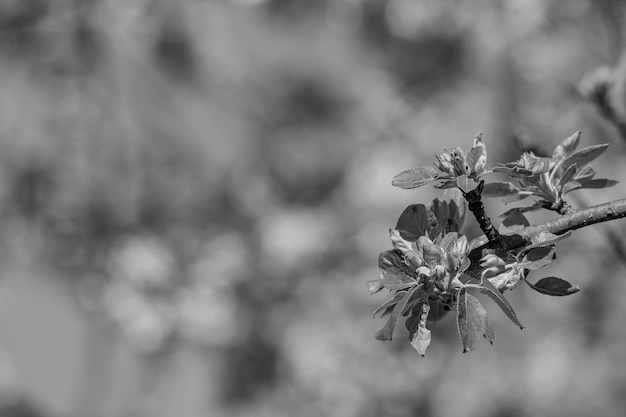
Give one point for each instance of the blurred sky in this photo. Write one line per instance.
(194, 193)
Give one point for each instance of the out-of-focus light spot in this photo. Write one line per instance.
(409, 17)
(9, 392)
(208, 315)
(290, 237)
(223, 261)
(147, 323)
(249, 3)
(145, 261)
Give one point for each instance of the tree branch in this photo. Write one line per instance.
(476, 206)
(581, 218)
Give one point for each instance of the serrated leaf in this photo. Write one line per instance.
(566, 147)
(492, 292)
(386, 333)
(477, 156)
(499, 189)
(585, 155)
(415, 177)
(421, 338)
(554, 286)
(471, 320)
(466, 184)
(394, 273)
(413, 222)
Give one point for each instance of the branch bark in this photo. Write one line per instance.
(581, 218)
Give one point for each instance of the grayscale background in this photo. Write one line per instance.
(194, 193)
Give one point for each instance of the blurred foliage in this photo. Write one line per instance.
(207, 185)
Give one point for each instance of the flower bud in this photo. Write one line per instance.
(439, 272)
(443, 162)
(492, 260)
(423, 271)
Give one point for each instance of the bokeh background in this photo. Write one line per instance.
(194, 193)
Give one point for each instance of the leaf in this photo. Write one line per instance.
(374, 286)
(478, 242)
(415, 177)
(594, 183)
(421, 338)
(477, 156)
(584, 156)
(394, 273)
(534, 207)
(389, 303)
(448, 239)
(586, 173)
(539, 253)
(446, 184)
(517, 197)
(437, 312)
(386, 333)
(489, 334)
(471, 320)
(599, 183)
(511, 169)
(456, 200)
(554, 286)
(566, 147)
(537, 165)
(513, 222)
(413, 222)
(413, 321)
(538, 257)
(499, 189)
(544, 239)
(466, 184)
(492, 292)
(566, 177)
(445, 218)
(416, 298)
